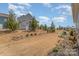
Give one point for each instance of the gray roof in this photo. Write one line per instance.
(3, 15)
(27, 18)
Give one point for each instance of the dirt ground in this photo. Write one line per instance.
(39, 45)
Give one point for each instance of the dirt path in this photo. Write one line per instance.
(36, 45)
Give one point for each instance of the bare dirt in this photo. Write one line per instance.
(39, 45)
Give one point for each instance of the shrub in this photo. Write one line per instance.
(35, 34)
(27, 35)
(64, 33)
(16, 38)
(31, 34)
(56, 49)
(71, 33)
(72, 36)
(73, 39)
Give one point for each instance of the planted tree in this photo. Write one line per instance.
(52, 27)
(41, 26)
(45, 27)
(11, 22)
(61, 27)
(33, 25)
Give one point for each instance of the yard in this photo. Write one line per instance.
(37, 45)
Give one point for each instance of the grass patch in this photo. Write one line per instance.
(56, 49)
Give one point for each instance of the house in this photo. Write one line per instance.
(24, 21)
(3, 19)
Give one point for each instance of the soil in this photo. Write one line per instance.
(38, 45)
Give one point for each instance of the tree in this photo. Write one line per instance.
(45, 27)
(41, 26)
(52, 27)
(11, 22)
(33, 24)
(60, 27)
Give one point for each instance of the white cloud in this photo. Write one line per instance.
(59, 19)
(64, 9)
(15, 7)
(19, 13)
(47, 5)
(64, 6)
(11, 6)
(20, 8)
(25, 4)
(44, 20)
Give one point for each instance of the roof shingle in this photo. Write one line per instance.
(3, 15)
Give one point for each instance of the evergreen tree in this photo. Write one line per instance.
(52, 28)
(41, 26)
(33, 25)
(45, 27)
(11, 22)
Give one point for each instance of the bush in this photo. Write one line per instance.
(31, 34)
(73, 39)
(64, 33)
(27, 35)
(49, 30)
(72, 36)
(71, 33)
(16, 38)
(56, 49)
(35, 34)
(53, 30)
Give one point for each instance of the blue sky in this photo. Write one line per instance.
(45, 13)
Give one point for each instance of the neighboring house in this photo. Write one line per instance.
(24, 21)
(3, 19)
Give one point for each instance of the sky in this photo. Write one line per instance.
(45, 13)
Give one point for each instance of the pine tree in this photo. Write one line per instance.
(45, 27)
(52, 28)
(41, 26)
(33, 25)
(11, 22)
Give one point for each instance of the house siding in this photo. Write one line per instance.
(24, 25)
(24, 21)
(2, 22)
